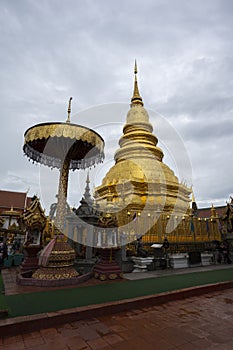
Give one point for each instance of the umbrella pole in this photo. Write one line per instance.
(62, 196)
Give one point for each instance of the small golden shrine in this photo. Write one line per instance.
(107, 267)
(34, 221)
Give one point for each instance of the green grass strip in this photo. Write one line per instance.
(3, 304)
(1, 284)
(40, 302)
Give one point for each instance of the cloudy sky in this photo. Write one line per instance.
(51, 50)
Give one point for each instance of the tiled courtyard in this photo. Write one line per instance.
(203, 322)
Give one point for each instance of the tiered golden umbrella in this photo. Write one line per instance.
(64, 146)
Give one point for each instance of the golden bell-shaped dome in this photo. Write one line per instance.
(139, 176)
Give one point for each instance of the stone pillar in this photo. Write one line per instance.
(123, 247)
(109, 238)
(99, 239)
(70, 231)
(89, 242)
(114, 238)
(79, 239)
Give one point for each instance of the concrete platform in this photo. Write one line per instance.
(170, 271)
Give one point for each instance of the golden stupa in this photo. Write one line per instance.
(139, 183)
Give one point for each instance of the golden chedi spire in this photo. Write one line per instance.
(136, 99)
(138, 140)
(139, 176)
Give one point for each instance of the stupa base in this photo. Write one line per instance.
(56, 261)
(26, 279)
(55, 273)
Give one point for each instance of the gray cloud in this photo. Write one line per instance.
(53, 50)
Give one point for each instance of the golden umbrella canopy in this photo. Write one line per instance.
(64, 146)
(51, 143)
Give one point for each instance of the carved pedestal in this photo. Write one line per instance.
(206, 259)
(31, 260)
(140, 264)
(179, 261)
(107, 268)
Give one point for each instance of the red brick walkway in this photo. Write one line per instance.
(204, 322)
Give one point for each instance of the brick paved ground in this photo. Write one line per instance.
(204, 322)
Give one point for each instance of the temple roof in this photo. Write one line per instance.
(34, 216)
(19, 201)
(206, 212)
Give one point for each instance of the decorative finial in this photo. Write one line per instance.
(87, 194)
(88, 178)
(193, 197)
(69, 110)
(136, 99)
(135, 69)
(194, 205)
(213, 211)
